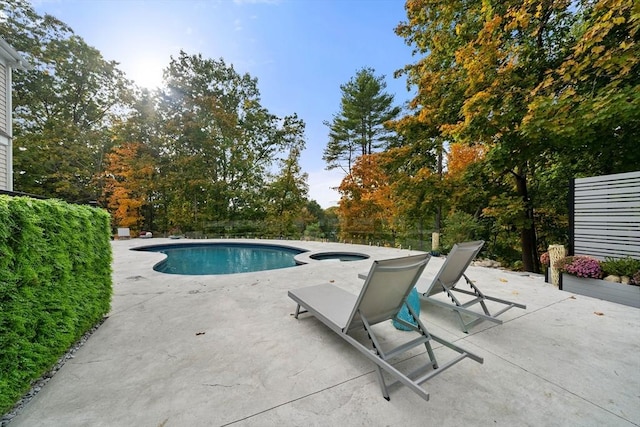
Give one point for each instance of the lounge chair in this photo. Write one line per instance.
(448, 277)
(382, 296)
(124, 233)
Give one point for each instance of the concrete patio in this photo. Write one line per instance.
(226, 350)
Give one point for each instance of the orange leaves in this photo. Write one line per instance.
(460, 156)
(128, 179)
(366, 176)
(366, 207)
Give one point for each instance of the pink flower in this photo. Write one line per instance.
(581, 266)
(544, 259)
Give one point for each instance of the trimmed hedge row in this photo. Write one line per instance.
(55, 284)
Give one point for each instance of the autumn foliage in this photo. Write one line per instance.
(460, 156)
(367, 209)
(128, 182)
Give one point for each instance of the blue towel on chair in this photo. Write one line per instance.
(414, 300)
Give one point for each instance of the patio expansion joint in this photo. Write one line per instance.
(264, 411)
(129, 307)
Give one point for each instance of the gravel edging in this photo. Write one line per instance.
(38, 384)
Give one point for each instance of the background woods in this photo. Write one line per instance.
(198, 154)
(510, 100)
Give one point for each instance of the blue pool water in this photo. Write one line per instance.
(222, 258)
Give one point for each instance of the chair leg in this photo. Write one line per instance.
(452, 297)
(298, 311)
(383, 384)
(378, 351)
(423, 330)
(462, 324)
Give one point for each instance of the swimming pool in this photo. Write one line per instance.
(222, 258)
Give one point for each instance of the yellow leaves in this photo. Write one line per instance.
(607, 16)
(568, 92)
(449, 129)
(518, 18)
(539, 12)
(595, 56)
(546, 83)
(423, 174)
(487, 8)
(481, 97)
(425, 115)
(479, 84)
(619, 20)
(492, 25)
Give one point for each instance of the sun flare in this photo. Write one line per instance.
(146, 72)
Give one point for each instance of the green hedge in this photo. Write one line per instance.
(55, 284)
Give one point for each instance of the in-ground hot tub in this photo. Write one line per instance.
(338, 256)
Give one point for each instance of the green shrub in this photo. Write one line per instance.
(55, 284)
(459, 227)
(620, 266)
(314, 231)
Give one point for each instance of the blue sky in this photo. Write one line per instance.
(300, 51)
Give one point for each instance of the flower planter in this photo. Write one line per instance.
(596, 288)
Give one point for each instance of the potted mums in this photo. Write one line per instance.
(545, 262)
(615, 280)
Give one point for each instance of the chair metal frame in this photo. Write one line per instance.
(382, 296)
(447, 279)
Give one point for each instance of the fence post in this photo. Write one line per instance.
(435, 241)
(556, 252)
(571, 200)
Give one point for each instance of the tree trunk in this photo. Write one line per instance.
(528, 243)
(438, 223)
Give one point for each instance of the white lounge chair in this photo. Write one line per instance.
(124, 233)
(448, 277)
(382, 296)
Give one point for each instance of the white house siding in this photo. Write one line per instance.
(5, 138)
(4, 94)
(4, 160)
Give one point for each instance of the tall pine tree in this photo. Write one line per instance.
(359, 128)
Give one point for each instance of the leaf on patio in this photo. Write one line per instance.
(598, 313)
(503, 280)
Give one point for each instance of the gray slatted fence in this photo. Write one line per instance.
(606, 216)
